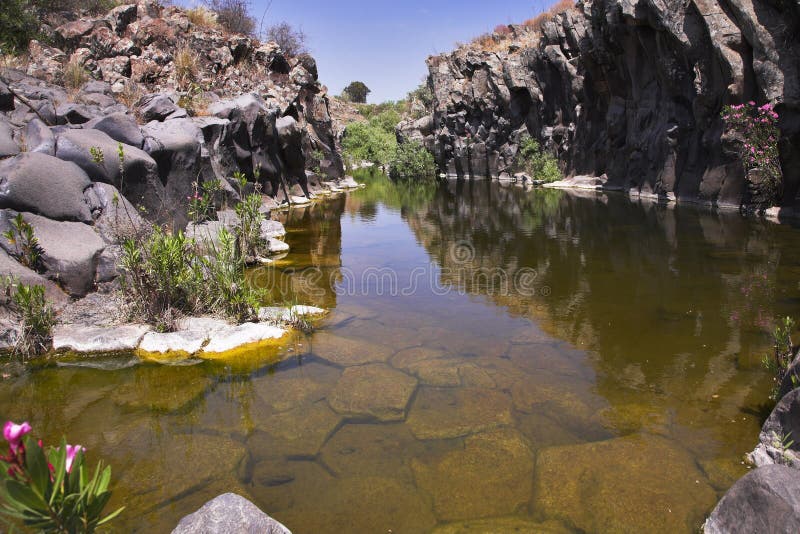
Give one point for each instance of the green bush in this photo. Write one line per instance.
(413, 162)
(369, 141)
(35, 314)
(778, 364)
(540, 165)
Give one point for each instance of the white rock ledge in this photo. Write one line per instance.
(94, 339)
(186, 341)
(245, 334)
(277, 314)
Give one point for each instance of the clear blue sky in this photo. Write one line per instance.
(385, 43)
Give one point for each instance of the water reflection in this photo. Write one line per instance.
(617, 395)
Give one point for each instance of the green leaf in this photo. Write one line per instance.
(27, 499)
(110, 516)
(58, 457)
(36, 465)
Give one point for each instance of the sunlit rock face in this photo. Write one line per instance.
(629, 89)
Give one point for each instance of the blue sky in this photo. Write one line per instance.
(385, 43)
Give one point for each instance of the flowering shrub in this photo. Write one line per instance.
(201, 202)
(50, 490)
(757, 125)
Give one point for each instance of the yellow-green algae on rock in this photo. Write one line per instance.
(639, 483)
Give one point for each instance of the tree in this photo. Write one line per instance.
(356, 92)
(233, 15)
(292, 41)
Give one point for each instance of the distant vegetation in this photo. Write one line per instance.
(356, 92)
(373, 141)
(538, 163)
(233, 15)
(292, 41)
(527, 32)
(412, 161)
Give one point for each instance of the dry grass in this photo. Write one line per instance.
(74, 76)
(536, 22)
(200, 16)
(186, 66)
(131, 94)
(503, 34)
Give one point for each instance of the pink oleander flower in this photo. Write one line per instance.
(13, 433)
(72, 451)
(774, 115)
(752, 103)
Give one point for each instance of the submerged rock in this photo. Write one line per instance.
(298, 433)
(764, 500)
(229, 513)
(95, 339)
(451, 413)
(302, 385)
(502, 525)
(374, 391)
(639, 483)
(492, 475)
(383, 505)
(348, 351)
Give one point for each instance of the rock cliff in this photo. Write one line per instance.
(630, 89)
(127, 113)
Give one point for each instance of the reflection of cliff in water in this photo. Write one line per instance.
(312, 269)
(674, 300)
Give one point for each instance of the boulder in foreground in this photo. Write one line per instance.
(229, 513)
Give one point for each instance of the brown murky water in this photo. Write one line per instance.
(496, 360)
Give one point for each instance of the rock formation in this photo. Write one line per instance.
(630, 89)
(132, 110)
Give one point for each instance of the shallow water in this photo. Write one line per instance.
(522, 360)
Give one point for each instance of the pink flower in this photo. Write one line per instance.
(752, 103)
(774, 115)
(13, 433)
(72, 451)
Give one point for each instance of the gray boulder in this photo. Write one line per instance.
(114, 217)
(119, 127)
(70, 250)
(8, 147)
(779, 440)
(10, 267)
(71, 113)
(44, 185)
(156, 107)
(766, 500)
(142, 184)
(40, 138)
(226, 514)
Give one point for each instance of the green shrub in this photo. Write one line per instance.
(26, 248)
(540, 165)
(412, 161)
(36, 315)
(19, 24)
(778, 364)
(369, 142)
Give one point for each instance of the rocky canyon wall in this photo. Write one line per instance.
(630, 89)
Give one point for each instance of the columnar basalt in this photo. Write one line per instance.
(629, 89)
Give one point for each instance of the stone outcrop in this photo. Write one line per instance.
(631, 89)
(229, 513)
(166, 106)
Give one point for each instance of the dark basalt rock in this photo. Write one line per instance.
(627, 88)
(765, 500)
(779, 440)
(45, 185)
(119, 127)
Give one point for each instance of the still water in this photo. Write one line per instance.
(495, 360)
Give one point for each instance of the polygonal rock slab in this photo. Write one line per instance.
(366, 449)
(91, 339)
(304, 384)
(451, 413)
(501, 525)
(373, 392)
(162, 388)
(362, 504)
(491, 476)
(298, 433)
(345, 351)
(406, 359)
(638, 483)
(227, 339)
